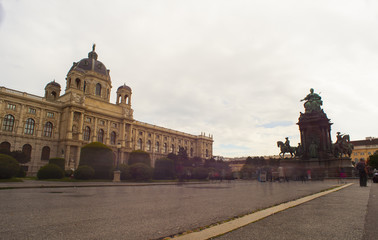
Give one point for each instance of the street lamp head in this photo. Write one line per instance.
(119, 145)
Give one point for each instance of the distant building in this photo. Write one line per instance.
(59, 125)
(364, 148)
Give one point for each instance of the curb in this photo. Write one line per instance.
(99, 185)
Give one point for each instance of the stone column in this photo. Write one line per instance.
(56, 128)
(77, 160)
(94, 137)
(81, 126)
(122, 134)
(69, 124)
(67, 156)
(129, 136)
(107, 138)
(21, 120)
(41, 125)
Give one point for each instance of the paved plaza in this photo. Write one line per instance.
(147, 211)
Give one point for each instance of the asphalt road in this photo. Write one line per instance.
(136, 212)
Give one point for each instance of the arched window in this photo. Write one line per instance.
(191, 152)
(53, 93)
(207, 153)
(8, 123)
(87, 133)
(165, 148)
(26, 149)
(5, 146)
(45, 153)
(85, 86)
(77, 83)
(98, 89)
(173, 148)
(157, 145)
(47, 130)
(148, 145)
(113, 138)
(29, 126)
(139, 143)
(100, 136)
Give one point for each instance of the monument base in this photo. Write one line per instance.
(117, 176)
(296, 168)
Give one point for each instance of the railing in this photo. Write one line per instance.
(171, 130)
(24, 94)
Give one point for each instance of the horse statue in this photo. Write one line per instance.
(286, 149)
(342, 146)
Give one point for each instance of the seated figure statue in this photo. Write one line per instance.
(313, 102)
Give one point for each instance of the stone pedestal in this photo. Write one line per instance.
(315, 131)
(320, 168)
(117, 176)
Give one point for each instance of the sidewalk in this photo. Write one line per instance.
(345, 214)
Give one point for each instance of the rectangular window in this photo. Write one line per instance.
(88, 119)
(114, 125)
(102, 122)
(11, 106)
(31, 110)
(50, 114)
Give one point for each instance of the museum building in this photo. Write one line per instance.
(59, 125)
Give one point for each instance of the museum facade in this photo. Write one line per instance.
(59, 125)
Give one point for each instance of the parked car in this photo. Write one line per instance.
(375, 177)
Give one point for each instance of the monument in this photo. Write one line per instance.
(316, 152)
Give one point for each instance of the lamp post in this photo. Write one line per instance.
(119, 154)
(117, 172)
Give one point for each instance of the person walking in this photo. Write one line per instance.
(362, 171)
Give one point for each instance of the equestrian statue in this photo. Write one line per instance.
(286, 148)
(342, 146)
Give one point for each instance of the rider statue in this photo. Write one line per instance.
(339, 138)
(287, 143)
(313, 102)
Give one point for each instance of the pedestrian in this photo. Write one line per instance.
(362, 171)
(281, 174)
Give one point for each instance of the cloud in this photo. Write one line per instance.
(277, 124)
(235, 69)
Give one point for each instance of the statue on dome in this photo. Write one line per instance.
(313, 102)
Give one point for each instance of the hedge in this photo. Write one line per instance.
(200, 173)
(50, 171)
(58, 161)
(141, 172)
(125, 172)
(164, 169)
(139, 156)
(99, 157)
(84, 172)
(9, 166)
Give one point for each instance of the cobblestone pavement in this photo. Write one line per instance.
(138, 211)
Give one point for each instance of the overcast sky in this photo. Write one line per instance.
(234, 69)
